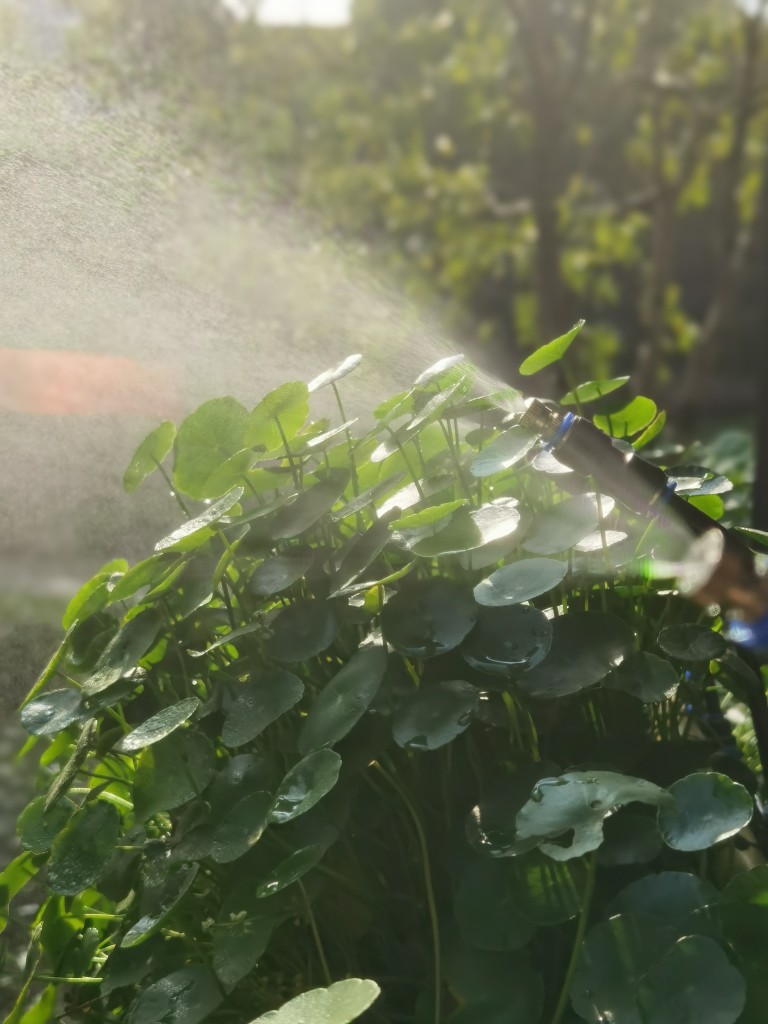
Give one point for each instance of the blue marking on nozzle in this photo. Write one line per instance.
(750, 634)
(664, 498)
(562, 430)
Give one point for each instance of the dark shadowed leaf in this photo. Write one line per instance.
(281, 571)
(507, 640)
(241, 828)
(669, 897)
(435, 715)
(302, 631)
(493, 988)
(694, 982)
(429, 617)
(127, 646)
(491, 827)
(53, 711)
(37, 828)
(743, 913)
(305, 784)
(629, 838)
(547, 892)
(646, 677)
(691, 642)
(171, 772)
(291, 870)
(260, 703)
(343, 701)
(311, 505)
(160, 906)
(186, 996)
(484, 905)
(708, 807)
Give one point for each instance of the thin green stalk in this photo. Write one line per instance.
(173, 490)
(316, 934)
(430, 892)
(581, 930)
(350, 440)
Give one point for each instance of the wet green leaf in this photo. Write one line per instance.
(291, 870)
(344, 700)
(37, 828)
(651, 432)
(695, 982)
(367, 547)
(586, 646)
(341, 1003)
(305, 784)
(428, 516)
(127, 646)
(83, 849)
(629, 420)
(593, 390)
(507, 640)
(153, 450)
(158, 726)
(550, 353)
(646, 677)
(567, 523)
(94, 594)
(187, 536)
(53, 711)
(281, 571)
(186, 996)
(503, 453)
(288, 406)
(242, 932)
(302, 631)
(171, 772)
(691, 642)
(336, 374)
(241, 828)
(435, 715)
(548, 892)
(143, 574)
(491, 826)
(467, 531)
(429, 617)
(520, 581)
(161, 904)
(206, 439)
(574, 806)
(260, 703)
(708, 807)
(230, 473)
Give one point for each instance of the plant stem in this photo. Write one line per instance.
(578, 941)
(315, 934)
(430, 892)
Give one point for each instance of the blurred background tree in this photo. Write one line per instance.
(520, 162)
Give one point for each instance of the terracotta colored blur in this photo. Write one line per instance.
(47, 382)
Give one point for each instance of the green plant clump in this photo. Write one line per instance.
(391, 726)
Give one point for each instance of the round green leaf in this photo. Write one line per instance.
(614, 957)
(158, 726)
(186, 996)
(291, 869)
(153, 450)
(708, 807)
(491, 827)
(428, 516)
(311, 505)
(194, 531)
(438, 369)
(127, 646)
(507, 640)
(492, 988)
(501, 454)
(143, 574)
(695, 982)
(242, 933)
(646, 677)
(230, 473)
(305, 784)
(337, 373)
(669, 897)
(172, 772)
(341, 1003)
(53, 711)
(743, 913)
(94, 594)
(364, 549)
(288, 406)
(567, 523)
(485, 909)
(260, 703)
(83, 849)
(37, 828)
(550, 353)
(586, 646)
(161, 903)
(206, 438)
(697, 481)
(467, 531)
(435, 715)
(691, 642)
(575, 805)
(302, 631)
(241, 828)
(281, 571)
(429, 617)
(343, 701)
(593, 390)
(520, 581)
(629, 420)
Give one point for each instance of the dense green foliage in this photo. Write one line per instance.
(392, 702)
(525, 162)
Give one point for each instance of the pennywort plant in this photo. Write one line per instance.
(392, 725)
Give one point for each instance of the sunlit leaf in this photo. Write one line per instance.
(152, 451)
(550, 353)
(708, 808)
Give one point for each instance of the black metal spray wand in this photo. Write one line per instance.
(719, 568)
